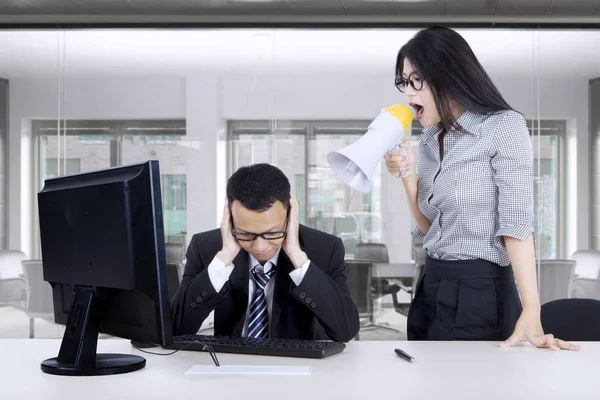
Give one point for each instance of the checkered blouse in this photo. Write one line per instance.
(482, 191)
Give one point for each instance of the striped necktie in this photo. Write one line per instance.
(258, 321)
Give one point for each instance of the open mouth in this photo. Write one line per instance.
(418, 109)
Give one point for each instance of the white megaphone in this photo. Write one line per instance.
(356, 163)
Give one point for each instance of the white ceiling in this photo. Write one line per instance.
(302, 7)
(27, 54)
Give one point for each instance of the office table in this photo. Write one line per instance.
(400, 271)
(365, 370)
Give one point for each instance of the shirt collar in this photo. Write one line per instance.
(470, 121)
(268, 265)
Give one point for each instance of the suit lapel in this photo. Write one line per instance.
(239, 286)
(283, 287)
(281, 291)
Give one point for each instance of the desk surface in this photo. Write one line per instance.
(365, 370)
(394, 270)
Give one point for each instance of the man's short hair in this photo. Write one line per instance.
(258, 186)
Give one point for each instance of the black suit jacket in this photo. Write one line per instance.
(321, 307)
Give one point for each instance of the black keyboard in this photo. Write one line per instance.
(265, 347)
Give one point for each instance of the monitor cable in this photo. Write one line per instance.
(206, 347)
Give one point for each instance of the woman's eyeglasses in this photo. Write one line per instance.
(414, 80)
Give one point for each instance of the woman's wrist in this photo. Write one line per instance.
(410, 185)
(532, 306)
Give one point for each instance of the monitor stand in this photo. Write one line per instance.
(141, 345)
(77, 355)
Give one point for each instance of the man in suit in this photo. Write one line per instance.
(263, 273)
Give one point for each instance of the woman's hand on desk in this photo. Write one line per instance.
(529, 328)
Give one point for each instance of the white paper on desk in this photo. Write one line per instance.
(250, 370)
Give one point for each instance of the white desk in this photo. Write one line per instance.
(394, 270)
(365, 370)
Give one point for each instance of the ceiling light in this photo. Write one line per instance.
(402, 1)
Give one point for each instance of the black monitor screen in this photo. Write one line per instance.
(103, 244)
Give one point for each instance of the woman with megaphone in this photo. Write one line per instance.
(471, 196)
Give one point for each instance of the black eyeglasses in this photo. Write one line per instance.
(249, 236)
(414, 80)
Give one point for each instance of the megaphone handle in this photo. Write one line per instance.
(405, 154)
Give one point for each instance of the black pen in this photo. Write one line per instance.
(404, 355)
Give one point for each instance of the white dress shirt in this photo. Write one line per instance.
(219, 275)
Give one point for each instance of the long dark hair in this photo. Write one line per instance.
(445, 61)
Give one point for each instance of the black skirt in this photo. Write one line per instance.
(464, 300)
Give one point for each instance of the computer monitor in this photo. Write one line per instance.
(103, 252)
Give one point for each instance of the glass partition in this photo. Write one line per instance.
(204, 102)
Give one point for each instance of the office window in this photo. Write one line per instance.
(548, 183)
(329, 205)
(282, 144)
(83, 154)
(114, 89)
(300, 149)
(70, 166)
(89, 145)
(330, 198)
(173, 192)
(174, 202)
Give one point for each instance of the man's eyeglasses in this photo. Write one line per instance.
(413, 80)
(249, 236)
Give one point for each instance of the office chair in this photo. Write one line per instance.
(419, 253)
(420, 257)
(378, 253)
(12, 285)
(175, 252)
(572, 319)
(359, 273)
(588, 263)
(586, 278)
(585, 288)
(40, 301)
(174, 274)
(555, 279)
